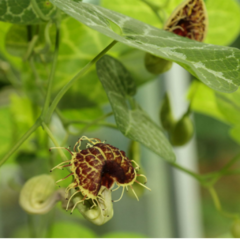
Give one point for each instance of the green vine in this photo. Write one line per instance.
(50, 106)
(47, 111)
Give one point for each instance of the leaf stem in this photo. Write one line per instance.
(52, 73)
(75, 78)
(21, 141)
(195, 175)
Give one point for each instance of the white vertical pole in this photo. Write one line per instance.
(159, 214)
(186, 188)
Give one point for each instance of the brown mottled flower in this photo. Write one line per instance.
(189, 20)
(97, 167)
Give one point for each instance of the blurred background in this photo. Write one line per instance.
(176, 207)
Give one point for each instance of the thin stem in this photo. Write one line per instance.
(31, 47)
(39, 12)
(21, 141)
(48, 43)
(195, 175)
(88, 123)
(54, 141)
(109, 125)
(215, 198)
(232, 172)
(75, 78)
(67, 122)
(52, 73)
(96, 122)
(218, 206)
(36, 75)
(229, 164)
(215, 176)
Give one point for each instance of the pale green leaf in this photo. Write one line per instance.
(133, 123)
(26, 11)
(222, 106)
(224, 21)
(135, 9)
(216, 66)
(224, 16)
(142, 11)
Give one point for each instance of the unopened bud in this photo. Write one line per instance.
(156, 65)
(166, 116)
(38, 196)
(182, 131)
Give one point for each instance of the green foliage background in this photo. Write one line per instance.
(28, 37)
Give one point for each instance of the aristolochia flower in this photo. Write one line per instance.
(97, 168)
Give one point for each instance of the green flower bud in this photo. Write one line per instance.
(98, 214)
(182, 131)
(156, 65)
(235, 229)
(166, 116)
(38, 196)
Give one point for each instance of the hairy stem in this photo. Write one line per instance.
(21, 141)
(75, 78)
